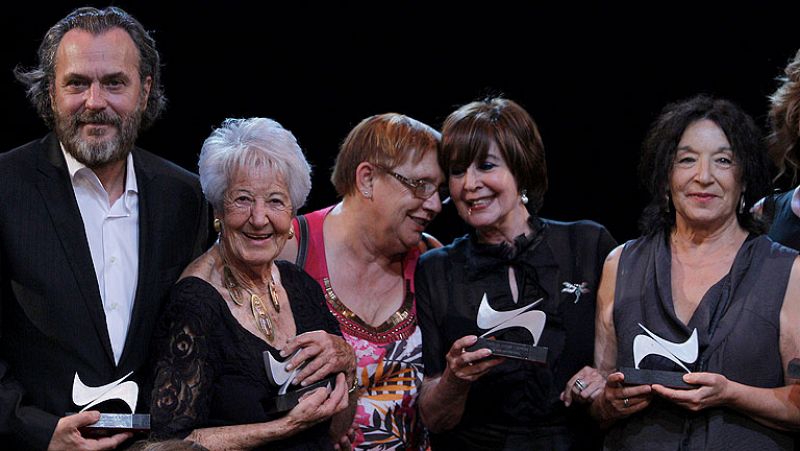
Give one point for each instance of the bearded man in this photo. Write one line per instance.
(93, 230)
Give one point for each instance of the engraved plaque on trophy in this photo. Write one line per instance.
(110, 423)
(287, 396)
(652, 344)
(531, 320)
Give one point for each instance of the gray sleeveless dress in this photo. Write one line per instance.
(738, 324)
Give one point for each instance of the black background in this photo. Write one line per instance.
(593, 76)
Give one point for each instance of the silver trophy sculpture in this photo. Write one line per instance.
(652, 344)
(531, 320)
(111, 423)
(279, 377)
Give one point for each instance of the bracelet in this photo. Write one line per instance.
(353, 387)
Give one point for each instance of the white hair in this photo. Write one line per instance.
(253, 143)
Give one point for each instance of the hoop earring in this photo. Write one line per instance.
(523, 196)
(217, 225)
(291, 233)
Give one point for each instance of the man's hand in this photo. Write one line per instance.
(68, 437)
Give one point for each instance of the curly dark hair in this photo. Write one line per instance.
(784, 121)
(660, 145)
(39, 80)
(469, 132)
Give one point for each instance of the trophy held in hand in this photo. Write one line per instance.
(288, 397)
(111, 423)
(652, 344)
(531, 320)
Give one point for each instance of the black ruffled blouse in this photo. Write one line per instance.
(559, 263)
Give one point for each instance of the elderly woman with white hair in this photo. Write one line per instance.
(236, 301)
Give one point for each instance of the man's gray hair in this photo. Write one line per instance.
(39, 80)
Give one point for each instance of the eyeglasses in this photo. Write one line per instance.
(421, 189)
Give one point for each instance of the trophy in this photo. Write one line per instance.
(110, 423)
(279, 377)
(531, 320)
(652, 344)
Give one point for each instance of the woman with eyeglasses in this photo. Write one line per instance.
(513, 264)
(363, 252)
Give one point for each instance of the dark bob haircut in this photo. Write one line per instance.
(469, 132)
(660, 145)
(39, 80)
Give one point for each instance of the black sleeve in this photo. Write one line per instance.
(605, 244)
(184, 370)
(426, 281)
(33, 426)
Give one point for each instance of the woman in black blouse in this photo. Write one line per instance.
(235, 302)
(493, 155)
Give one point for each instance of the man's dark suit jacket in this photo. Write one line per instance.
(52, 323)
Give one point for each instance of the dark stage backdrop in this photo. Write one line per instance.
(593, 76)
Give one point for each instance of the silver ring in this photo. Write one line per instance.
(580, 385)
(626, 403)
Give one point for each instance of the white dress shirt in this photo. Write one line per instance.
(113, 235)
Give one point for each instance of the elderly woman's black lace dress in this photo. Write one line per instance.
(210, 371)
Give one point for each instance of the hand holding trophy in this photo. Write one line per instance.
(531, 320)
(110, 423)
(652, 344)
(280, 377)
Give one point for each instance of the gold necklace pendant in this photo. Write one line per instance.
(230, 284)
(273, 295)
(262, 318)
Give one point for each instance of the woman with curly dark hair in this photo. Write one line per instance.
(704, 274)
(784, 142)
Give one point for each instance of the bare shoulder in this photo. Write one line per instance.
(608, 280)
(203, 266)
(790, 316)
(790, 310)
(792, 295)
(612, 260)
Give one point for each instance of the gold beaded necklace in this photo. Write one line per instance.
(257, 308)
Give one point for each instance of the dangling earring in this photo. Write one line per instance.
(741, 204)
(523, 196)
(217, 225)
(666, 197)
(291, 233)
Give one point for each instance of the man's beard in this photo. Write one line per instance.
(93, 153)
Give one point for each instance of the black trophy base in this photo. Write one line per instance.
(521, 351)
(793, 369)
(117, 423)
(671, 379)
(286, 402)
